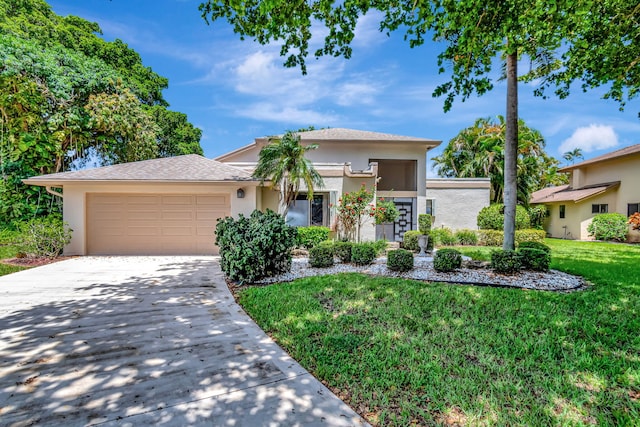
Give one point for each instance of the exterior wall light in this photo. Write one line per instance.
(240, 193)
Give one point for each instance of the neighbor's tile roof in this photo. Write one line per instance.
(564, 193)
(626, 151)
(187, 168)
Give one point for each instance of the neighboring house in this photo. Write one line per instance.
(607, 183)
(170, 205)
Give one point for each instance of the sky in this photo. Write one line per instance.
(238, 90)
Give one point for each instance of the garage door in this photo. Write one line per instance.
(153, 224)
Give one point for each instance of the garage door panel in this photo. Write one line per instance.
(153, 224)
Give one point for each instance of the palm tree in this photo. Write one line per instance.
(282, 162)
(571, 156)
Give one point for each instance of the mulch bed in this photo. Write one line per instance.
(33, 261)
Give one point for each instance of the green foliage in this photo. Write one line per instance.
(505, 262)
(363, 253)
(384, 212)
(538, 214)
(424, 223)
(311, 236)
(495, 237)
(175, 136)
(492, 217)
(321, 256)
(410, 240)
(446, 260)
(282, 162)
(44, 237)
(343, 251)
(534, 259)
(400, 260)
(443, 236)
(255, 247)
(530, 235)
(380, 246)
(352, 208)
(609, 226)
(466, 237)
(534, 245)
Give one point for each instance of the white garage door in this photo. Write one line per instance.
(153, 224)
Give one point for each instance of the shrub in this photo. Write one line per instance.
(400, 260)
(505, 262)
(537, 215)
(609, 226)
(321, 255)
(466, 237)
(343, 251)
(535, 245)
(255, 247)
(308, 237)
(44, 237)
(490, 237)
(363, 253)
(530, 235)
(634, 221)
(442, 237)
(380, 246)
(424, 223)
(446, 260)
(534, 259)
(410, 240)
(492, 217)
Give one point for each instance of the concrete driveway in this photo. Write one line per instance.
(145, 341)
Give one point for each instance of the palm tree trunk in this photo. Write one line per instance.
(511, 153)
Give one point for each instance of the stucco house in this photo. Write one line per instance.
(170, 205)
(607, 183)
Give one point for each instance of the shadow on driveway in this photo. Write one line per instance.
(145, 340)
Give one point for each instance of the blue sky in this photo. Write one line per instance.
(237, 90)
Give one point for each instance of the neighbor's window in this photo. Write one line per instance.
(430, 207)
(599, 208)
(563, 209)
(633, 208)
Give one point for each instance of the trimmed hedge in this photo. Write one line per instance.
(363, 253)
(308, 237)
(505, 262)
(466, 237)
(535, 245)
(534, 259)
(400, 260)
(343, 251)
(424, 223)
(492, 217)
(321, 256)
(410, 240)
(495, 237)
(446, 260)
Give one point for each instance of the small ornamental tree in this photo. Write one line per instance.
(353, 207)
(634, 221)
(384, 212)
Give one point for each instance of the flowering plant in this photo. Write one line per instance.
(351, 210)
(634, 221)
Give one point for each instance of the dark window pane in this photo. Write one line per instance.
(604, 208)
(595, 209)
(562, 211)
(429, 207)
(317, 210)
(632, 208)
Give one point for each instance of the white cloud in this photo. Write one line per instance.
(590, 138)
(354, 93)
(367, 32)
(286, 114)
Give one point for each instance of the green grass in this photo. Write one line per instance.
(8, 250)
(404, 352)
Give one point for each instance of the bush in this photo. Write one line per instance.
(537, 215)
(446, 260)
(466, 237)
(410, 240)
(442, 237)
(363, 253)
(44, 237)
(321, 256)
(505, 262)
(308, 237)
(400, 260)
(492, 217)
(609, 226)
(535, 245)
(255, 247)
(380, 246)
(424, 223)
(534, 259)
(496, 237)
(343, 251)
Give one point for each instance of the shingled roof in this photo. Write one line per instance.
(352, 135)
(187, 168)
(626, 151)
(564, 193)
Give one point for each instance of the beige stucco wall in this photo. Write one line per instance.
(74, 201)
(457, 202)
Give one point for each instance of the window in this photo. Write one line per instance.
(563, 209)
(633, 208)
(303, 212)
(598, 209)
(430, 207)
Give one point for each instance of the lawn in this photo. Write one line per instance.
(403, 352)
(7, 250)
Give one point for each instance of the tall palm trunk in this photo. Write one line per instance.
(511, 153)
